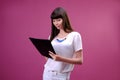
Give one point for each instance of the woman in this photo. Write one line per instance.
(67, 45)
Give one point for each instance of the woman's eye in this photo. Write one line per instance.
(53, 20)
(58, 20)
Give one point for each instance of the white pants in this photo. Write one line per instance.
(53, 75)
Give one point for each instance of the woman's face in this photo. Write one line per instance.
(58, 23)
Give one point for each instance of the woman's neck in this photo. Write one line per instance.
(62, 33)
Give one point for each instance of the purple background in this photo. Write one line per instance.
(98, 21)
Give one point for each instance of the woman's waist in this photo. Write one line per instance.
(59, 67)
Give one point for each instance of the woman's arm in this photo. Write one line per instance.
(77, 59)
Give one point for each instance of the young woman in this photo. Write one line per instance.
(67, 45)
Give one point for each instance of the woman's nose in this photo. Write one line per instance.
(56, 23)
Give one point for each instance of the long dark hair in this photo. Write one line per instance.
(60, 13)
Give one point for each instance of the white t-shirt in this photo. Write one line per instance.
(66, 48)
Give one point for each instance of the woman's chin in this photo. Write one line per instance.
(58, 27)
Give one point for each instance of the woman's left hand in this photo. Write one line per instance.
(54, 56)
(77, 59)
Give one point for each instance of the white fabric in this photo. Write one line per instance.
(52, 75)
(67, 48)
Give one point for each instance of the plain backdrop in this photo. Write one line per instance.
(98, 21)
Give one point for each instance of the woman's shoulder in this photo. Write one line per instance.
(75, 33)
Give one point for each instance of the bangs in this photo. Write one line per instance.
(56, 16)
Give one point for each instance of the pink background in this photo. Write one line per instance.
(98, 21)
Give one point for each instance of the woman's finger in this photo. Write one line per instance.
(51, 52)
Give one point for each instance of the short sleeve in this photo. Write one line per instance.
(77, 41)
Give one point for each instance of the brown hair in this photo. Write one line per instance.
(60, 13)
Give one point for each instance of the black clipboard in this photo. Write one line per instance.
(43, 46)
